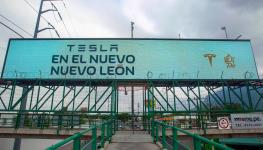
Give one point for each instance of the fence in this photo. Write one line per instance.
(78, 142)
(58, 121)
(198, 141)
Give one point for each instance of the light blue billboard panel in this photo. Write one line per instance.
(129, 59)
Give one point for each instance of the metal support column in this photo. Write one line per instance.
(21, 119)
(113, 105)
(132, 107)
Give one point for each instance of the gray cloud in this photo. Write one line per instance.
(244, 4)
(204, 19)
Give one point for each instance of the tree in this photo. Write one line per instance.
(233, 107)
(124, 117)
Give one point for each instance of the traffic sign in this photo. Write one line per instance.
(223, 122)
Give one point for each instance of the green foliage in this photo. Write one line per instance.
(124, 117)
(234, 107)
(82, 118)
(105, 117)
(63, 111)
(229, 107)
(27, 121)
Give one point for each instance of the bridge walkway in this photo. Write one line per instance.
(129, 140)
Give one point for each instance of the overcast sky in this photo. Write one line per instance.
(153, 19)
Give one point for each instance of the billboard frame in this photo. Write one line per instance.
(170, 39)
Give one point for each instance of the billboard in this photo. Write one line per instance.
(129, 59)
(247, 121)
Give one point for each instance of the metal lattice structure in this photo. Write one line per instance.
(54, 98)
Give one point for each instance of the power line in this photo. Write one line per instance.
(41, 16)
(64, 25)
(70, 18)
(35, 10)
(53, 12)
(16, 25)
(50, 34)
(60, 17)
(1, 47)
(11, 29)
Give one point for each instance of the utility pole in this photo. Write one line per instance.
(38, 18)
(138, 108)
(132, 87)
(21, 118)
(40, 12)
(21, 115)
(132, 99)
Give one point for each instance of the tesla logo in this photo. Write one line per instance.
(210, 58)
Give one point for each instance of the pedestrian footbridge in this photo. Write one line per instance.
(153, 139)
(132, 140)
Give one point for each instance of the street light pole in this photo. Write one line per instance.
(224, 28)
(132, 99)
(238, 37)
(132, 29)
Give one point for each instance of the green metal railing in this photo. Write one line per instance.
(79, 144)
(41, 120)
(199, 142)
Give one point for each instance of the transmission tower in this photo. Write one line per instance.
(40, 12)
